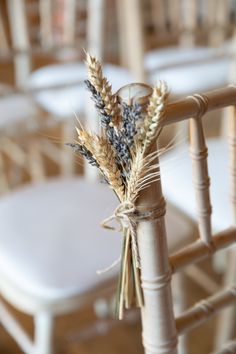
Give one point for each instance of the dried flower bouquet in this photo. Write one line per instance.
(124, 155)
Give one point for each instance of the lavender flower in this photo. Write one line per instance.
(130, 115)
(121, 139)
(84, 152)
(99, 105)
(117, 140)
(115, 137)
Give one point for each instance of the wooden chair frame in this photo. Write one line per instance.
(160, 328)
(171, 18)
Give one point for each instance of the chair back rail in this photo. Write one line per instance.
(226, 323)
(229, 347)
(41, 29)
(4, 42)
(54, 29)
(201, 180)
(20, 39)
(46, 28)
(168, 22)
(188, 18)
(59, 16)
(160, 328)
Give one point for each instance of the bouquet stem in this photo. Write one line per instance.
(129, 286)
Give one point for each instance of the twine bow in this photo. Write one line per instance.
(125, 215)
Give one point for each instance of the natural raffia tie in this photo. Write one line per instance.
(128, 216)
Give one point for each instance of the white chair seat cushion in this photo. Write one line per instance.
(172, 56)
(70, 98)
(180, 68)
(191, 78)
(51, 241)
(15, 109)
(177, 181)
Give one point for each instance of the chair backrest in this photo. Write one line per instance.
(160, 328)
(4, 40)
(188, 21)
(39, 29)
(53, 29)
(158, 23)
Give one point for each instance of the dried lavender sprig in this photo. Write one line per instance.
(130, 116)
(115, 137)
(123, 139)
(131, 112)
(99, 105)
(84, 152)
(117, 140)
(102, 85)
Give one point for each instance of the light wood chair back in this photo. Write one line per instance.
(4, 40)
(160, 327)
(159, 23)
(46, 28)
(185, 21)
(44, 31)
(16, 161)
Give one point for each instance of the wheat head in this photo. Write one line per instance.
(102, 86)
(106, 158)
(155, 114)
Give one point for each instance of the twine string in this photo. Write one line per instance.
(127, 216)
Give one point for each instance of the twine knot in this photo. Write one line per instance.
(127, 216)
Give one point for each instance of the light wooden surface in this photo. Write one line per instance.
(159, 23)
(159, 329)
(227, 323)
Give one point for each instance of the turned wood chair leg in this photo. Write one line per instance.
(44, 333)
(226, 322)
(180, 304)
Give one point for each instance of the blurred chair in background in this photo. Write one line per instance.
(196, 35)
(52, 266)
(51, 242)
(59, 30)
(205, 59)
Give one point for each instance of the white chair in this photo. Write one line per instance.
(160, 326)
(60, 85)
(15, 108)
(52, 245)
(187, 67)
(63, 29)
(182, 196)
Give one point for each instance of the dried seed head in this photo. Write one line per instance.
(82, 150)
(156, 112)
(103, 87)
(106, 158)
(99, 105)
(130, 116)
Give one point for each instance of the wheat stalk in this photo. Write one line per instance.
(144, 171)
(102, 86)
(135, 175)
(105, 157)
(155, 114)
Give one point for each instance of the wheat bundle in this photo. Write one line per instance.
(123, 155)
